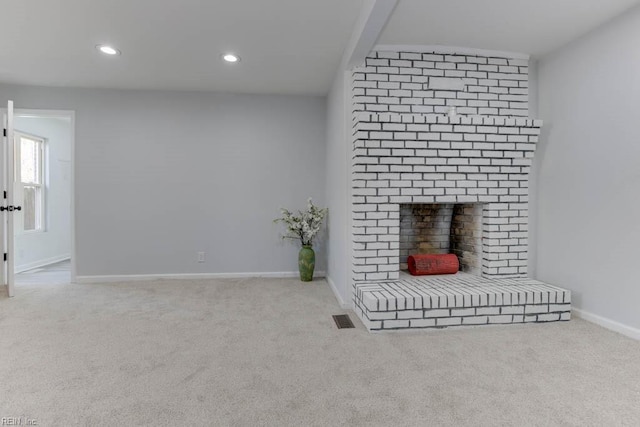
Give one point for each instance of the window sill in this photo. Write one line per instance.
(27, 233)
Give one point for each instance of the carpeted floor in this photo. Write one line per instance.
(266, 352)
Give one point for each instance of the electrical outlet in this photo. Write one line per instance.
(201, 256)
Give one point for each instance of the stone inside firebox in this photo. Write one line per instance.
(443, 228)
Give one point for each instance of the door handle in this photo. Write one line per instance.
(10, 208)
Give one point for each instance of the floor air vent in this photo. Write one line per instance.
(343, 321)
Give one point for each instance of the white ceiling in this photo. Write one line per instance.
(287, 46)
(535, 27)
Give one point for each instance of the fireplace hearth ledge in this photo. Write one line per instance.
(412, 118)
(458, 300)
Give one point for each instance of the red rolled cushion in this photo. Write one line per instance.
(426, 264)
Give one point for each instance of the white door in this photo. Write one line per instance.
(7, 208)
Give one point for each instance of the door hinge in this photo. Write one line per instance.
(4, 132)
(5, 194)
(5, 256)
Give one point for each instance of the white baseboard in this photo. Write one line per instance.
(41, 263)
(337, 294)
(189, 276)
(608, 323)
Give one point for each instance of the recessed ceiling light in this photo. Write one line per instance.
(107, 50)
(230, 57)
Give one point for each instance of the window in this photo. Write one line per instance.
(30, 170)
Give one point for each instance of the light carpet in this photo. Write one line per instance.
(256, 352)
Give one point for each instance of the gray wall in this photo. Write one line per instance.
(163, 175)
(338, 194)
(589, 170)
(54, 243)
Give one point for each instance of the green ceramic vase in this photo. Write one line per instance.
(306, 263)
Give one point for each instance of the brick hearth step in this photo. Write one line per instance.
(458, 300)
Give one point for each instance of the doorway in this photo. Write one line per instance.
(43, 231)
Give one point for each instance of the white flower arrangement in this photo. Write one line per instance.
(304, 226)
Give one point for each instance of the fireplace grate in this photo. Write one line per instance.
(343, 321)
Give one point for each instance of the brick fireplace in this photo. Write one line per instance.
(434, 159)
(427, 181)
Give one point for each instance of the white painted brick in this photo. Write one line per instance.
(429, 136)
(380, 135)
(395, 324)
(392, 144)
(480, 311)
(514, 309)
(410, 71)
(433, 313)
(549, 317)
(420, 127)
(535, 309)
(410, 314)
(464, 129)
(475, 320)
(402, 62)
(451, 136)
(502, 319)
(369, 301)
(439, 145)
(393, 126)
(472, 137)
(403, 152)
(559, 307)
(371, 324)
(471, 153)
(442, 128)
(387, 85)
(467, 67)
(443, 83)
(422, 323)
(382, 315)
(405, 135)
(387, 268)
(498, 61)
(463, 312)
